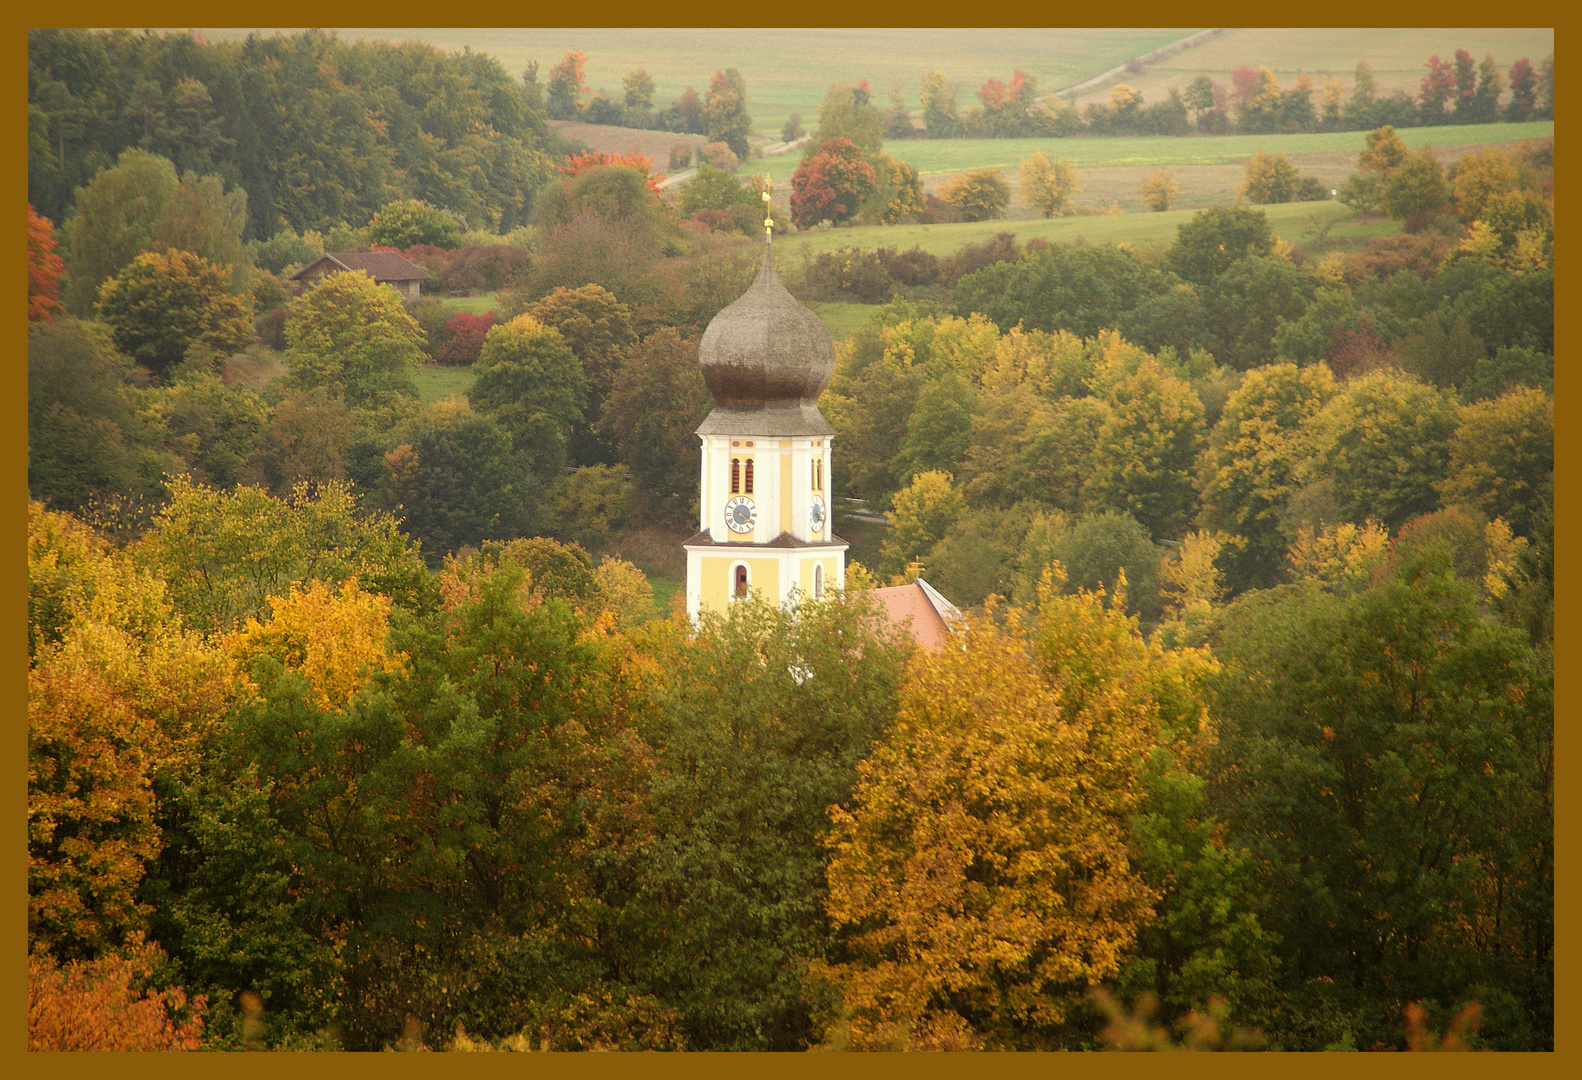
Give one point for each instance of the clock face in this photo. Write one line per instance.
(815, 514)
(740, 514)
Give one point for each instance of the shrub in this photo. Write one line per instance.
(912, 267)
(937, 211)
(980, 195)
(849, 274)
(100, 1005)
(972, 257)
(721, 156)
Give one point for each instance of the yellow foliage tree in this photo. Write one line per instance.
(337, 640)
(1340, 557)
(1159, 189)
(981, 873)
(1047, 186)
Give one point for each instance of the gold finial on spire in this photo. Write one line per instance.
(769, 220)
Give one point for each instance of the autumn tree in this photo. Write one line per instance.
(919, 517)
(1249, 468)
(1047, 186)
(1436, 90)
(980, 194)
(940, 952)
(1524, 92)
(44, 268)
(208, 545)
(99, 1005)
(565, 87)
(1147, 444)
(1159, 190)
(1502, 458)
(114, 221)
(352, 334)
(164, 303)
(725, 112)
(831, 185)
(1269, 178)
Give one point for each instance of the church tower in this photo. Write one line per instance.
(764, 510)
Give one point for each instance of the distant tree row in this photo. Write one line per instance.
(1463, 91)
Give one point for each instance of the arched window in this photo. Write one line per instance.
(736, 476)
(749, 482)
(739, 581)
(818, 581)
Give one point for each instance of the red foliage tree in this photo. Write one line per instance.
(831, 184)
(461, 339)
(44, 268)
(1524, 91)
(576, 164)
(1438, 85)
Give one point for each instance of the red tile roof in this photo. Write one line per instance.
(920, 609)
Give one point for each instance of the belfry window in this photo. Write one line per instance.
(748, 482)
(818, 581)
(736, 476)
(739, 582)
(818, 475)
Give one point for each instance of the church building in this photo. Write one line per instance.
(764, 514)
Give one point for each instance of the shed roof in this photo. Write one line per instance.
(379, 265)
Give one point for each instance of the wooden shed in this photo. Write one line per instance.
(386, 267)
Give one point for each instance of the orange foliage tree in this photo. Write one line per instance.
(99, 1005)
(44, 268)
(577, 164)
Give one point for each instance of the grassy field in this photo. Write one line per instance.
(841, 319)
(789, 70)
(1396, 55)
(436, 383)
(472, 305)
(1296, 223)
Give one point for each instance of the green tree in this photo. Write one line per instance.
(456, 481)
(940, 118)
(1250, 302)
(939, 428)
(898, 118)
(1386, 760)
(1146, 447)
(349, 333)
(1084, 290)
(638, 87)
(1417, 186)
(980, 194)
(1384, 439)
(657, 400)
(405, 222)
(1048, 186)
(531, 383)
(163, 304)
(848, 112)
(1099, 548)
(115, 219)
(1206, 246)
(598, 327)
(565, 88)
(919, 516)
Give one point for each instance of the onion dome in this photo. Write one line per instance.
(766, 350)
